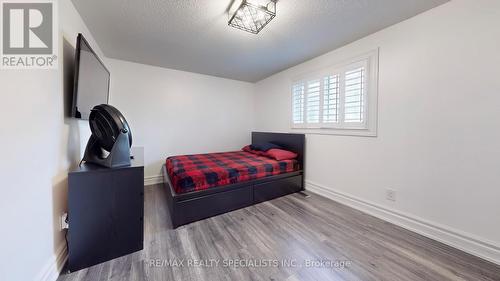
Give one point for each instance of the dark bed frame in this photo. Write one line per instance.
(197, 205)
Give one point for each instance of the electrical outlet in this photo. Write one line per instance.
(390, 194)
(64, 221)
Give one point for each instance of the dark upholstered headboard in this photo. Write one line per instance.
(292, 142)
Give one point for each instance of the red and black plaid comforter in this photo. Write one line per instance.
(201, 171)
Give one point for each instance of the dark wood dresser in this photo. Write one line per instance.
(106, 213)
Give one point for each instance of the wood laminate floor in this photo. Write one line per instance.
(289, 238)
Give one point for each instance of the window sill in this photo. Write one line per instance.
(355, 132)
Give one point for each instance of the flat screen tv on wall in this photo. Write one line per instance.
(91, 82)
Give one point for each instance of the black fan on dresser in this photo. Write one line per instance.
(111, 139)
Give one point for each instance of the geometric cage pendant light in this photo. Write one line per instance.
(252, 15)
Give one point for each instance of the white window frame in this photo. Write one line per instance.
(370, 98)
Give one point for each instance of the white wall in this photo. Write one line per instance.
(39, 146)
(174, 112)
(438, 141)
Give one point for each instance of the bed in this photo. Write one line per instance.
(205, 185)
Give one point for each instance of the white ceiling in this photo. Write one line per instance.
(193, 35)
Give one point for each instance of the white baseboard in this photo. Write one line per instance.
(153, 180)
(53, 267)
(458, 239)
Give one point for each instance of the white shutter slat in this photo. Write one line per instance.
(331, 99)
(354, 89)
(298, 96)
(313, 101)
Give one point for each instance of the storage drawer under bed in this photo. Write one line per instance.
(274, 189)
(211, 205)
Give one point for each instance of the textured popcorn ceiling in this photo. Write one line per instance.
(193, 35)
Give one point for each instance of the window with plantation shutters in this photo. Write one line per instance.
(342, 98)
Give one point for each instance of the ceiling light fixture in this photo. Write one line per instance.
(252, 15)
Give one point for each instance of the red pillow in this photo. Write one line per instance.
(281, 154)
(256, 152)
